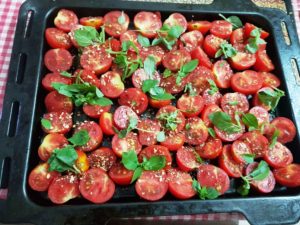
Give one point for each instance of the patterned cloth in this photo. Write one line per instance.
(8, 18)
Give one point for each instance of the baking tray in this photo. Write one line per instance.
(20, 132)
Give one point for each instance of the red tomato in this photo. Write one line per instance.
(65, 20)
(120, 175)
(286, 128)
(122, 115)
(111, 84)
(257, 143)
(112, 25)
(238, 149)
(234, 102)
(148, 23)
(211, 98)
(103, 158)
(228, 137)
(191, 39)
(237, 36)
(213, 177)
(95, 135)
(288, 176)
(212, 44)
(132, 36)
(270, 80)
(156, 150)
(156, 51)
(195, 131)
(202, 26)
(170, 85)
(95, 111)
(61, 122)
(174, 141)
(165, 112)
(135, 99)
(223, 73)
(221, 29)
(261, 114)
(208, 109)
(176, 19)
(92, 21)
(152, 185)
(58, 59)
(264, 186)
(57, 38)
(96, 186)
(63, 189)
(202, 57)
(87, 76)
(148, 130)
(249, 27)
(50, 143)
(242, 60)
(190, 106)
(95, 58)
(56, 102)
(180, 184)
(199, 79)
(278, 156)
(227, 163)
(263, 62)
(211, 149)
(54, 78)
(174, 59)
(126, 144)
(139, 76)
(114, 44)
(186, 159)
(247, 82)
(158, 103)
(40, 178)
(82, 162)
(106, 123)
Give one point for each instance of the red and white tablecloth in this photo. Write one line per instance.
(8, 17)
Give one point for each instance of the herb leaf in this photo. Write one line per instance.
(65, 74)
(250, 121)
(168, 35)
(254, 40)
(213, 87)
(211, 132)
(261, 172)
(227, 50)
(121, 18)
(249, 158)
(155, 91)
(274, 138)
(186, 69)
(169, 120)
(175, 31)
(223, 122)
(156, 162)
(148, 84)
(189, 88)
(160, 137)
(270, 97)
(85, 36)
(130, 160)
(46, 123)
(80, 138)
(62, 160)
(167, 73)
(143, 41)
(234, 20)
(131, 125)
(150, 66)
(136, 174)
(205, 192)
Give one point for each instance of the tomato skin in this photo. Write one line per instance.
(95, 111)
(54, 78)
(147, 23)
(112, 26)
(158, 103)
(152, 185)
(106, 123)
(122, 115)
(58, 59)
(156, 150)
(288, 176)
(57, 38)
(174, 141)
(96, 186)
(40, 178)
(223, 73)
(180, 184)
(247, 82)
(202, 57)
(263, 63)
(241, 100)
(196, 133)
(261, 114)
(173, 60)
(61, 122)
(248, 27)
(212, 44)
(270, 80)
(56, 102)
(242, 60)
(229, 137)
(191, 40)
(111, 84)
(257, 143)
(208, 99)
(103, 158)
(153, 127)
(214, 177)
(221, 29)
(130, 142)
(227, 163)
(82, 162)
(120, 175)
(176, 19)
(278, 156)
(238, 148)
(237, 36)
(92, 21)
(65, 20)
(190, 106)
(211, 149)
(202, 26)
(186, 159)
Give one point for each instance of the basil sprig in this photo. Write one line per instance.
(224, 122)
(254, 40)
(227, 50)
(169, 120)
(156, 92)
(205, 192)
(186, 69)
(250, 121)
(234, 20)
(46, 123)
(87, 35)
(213, 87)
(270, 97)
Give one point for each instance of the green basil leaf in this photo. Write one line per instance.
(211, 132)
(274, 138)
(162, 96)
(175, 31)
(99, 94)
(130, 160)
(252, 47)
(169, 120)
(156, 41)
(249, 158)
(196, 186)
(80, 138)
(121, 18)
(219, 53)
(136, 174)
(46, 123)
(150, 66)
(261, 172)
(148, 85)
(156, 162)
(100, 101)
(160, 137)
(212, 193)
(65, 74)
(233, 103)
(270, 97)
(133, 121)
(223, 122)
(85, 36)
(234, 20)
(250, 120)
(189, 88)
(213, 87)
(187, 126)
(190, 66)
(143, 41)
(227, 50)
(198, 157)
(167, 73)
(244, 188)
(62, 160)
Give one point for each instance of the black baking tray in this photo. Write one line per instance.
(20, 132)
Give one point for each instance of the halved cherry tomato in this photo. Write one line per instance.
(158, 103)
(270, 80)
(132, 36)
(135, 99)
(242, 60)
(191, 39)
(208, 109)
(264, 186)
(87, 76)
(114, 44)
(58, 59)
(56, 102)
(202, 26)
(156, 150)
(111, 84)
(228, 137)
(95, 111)
(92, 21)
(163, 114)
(211, 149)
(40, 178)
(176, 19)
(148, 130)
(126, 144)
(261, 115)
(148, 23)
(82, 162)
(139, 76)
(173, 60)
(198, 53)
(120, 175)
(212, 44)
(199, 79)
(54, 78)
(186, 159)
(65, 20)
(95, 135)
(152, 185)
(190, 106)
(195, 131)
(57, 38)
(237, 36)
(174, 141)
(257, 143)
(156, 51)
(106, 123)
(103, 158)
(247, 82)
(96, 186)
(112, 25)
(63, 189)
(228, 164)
(221, 29)
(278, 156)
(122, 115)
(249, 27)
(213, 177)
(211, 98)
(263, 63)
(180, 184)
(61, 122)
(234, 102)
(170, 85)
(288, 176)
(223, 73)
(238, 149)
